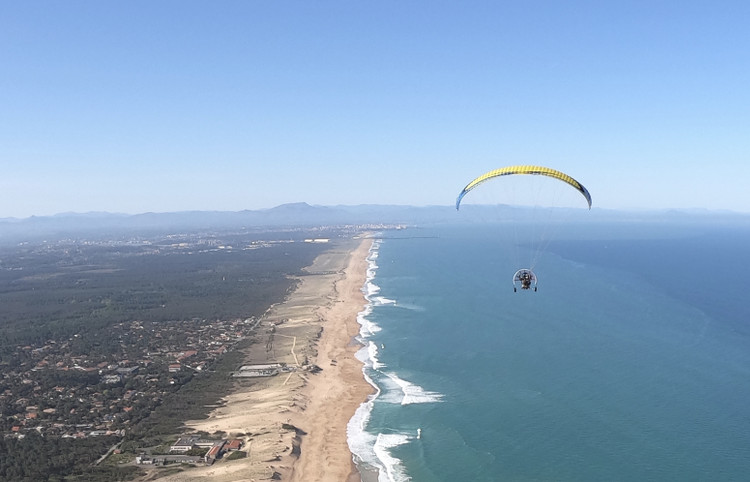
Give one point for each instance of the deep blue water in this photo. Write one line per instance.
(631, 362)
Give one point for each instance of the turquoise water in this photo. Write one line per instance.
(631, 362)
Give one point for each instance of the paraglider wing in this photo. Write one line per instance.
(537, 170)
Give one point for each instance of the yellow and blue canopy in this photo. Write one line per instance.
(536, 170)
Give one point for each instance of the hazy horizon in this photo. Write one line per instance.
(179, 106)
(447, 206)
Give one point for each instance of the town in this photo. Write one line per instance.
(112, 342)
(56, 389)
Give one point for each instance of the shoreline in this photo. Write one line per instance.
(340, 388)
(294, 424)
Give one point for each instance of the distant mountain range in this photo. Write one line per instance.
(305, 215)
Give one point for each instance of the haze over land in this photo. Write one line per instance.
(303, 215)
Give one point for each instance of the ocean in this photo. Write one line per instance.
(630, 362)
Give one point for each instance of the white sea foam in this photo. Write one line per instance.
(367, 327)
(363, 356)
(371, 328)
(361, 442)
(382, 300)
(393, 468)
(370, 449)
(392, 392)
(413, 393)
(371, 289)
(374, 450)
(372, 352)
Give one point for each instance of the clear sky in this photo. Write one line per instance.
(179, 105)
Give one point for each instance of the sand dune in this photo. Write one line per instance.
(294, 424)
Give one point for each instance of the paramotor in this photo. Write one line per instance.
(532, 227)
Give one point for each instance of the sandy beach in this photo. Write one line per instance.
(294, 424)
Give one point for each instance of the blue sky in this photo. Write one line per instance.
(179, 105)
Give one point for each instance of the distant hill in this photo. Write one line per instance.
(304, 215)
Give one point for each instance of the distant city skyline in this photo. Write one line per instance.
(174, 106)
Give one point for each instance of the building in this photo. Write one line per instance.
(214, 452)
(126, 371)
(234, 444)
(188, 442)
(111, 379)
(252, 371)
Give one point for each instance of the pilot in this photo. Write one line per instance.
(526, 277)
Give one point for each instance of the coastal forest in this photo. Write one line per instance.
(111, 343)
